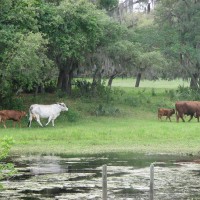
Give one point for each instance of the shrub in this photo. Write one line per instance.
(132, 101)
(186, 93)
(171, 94)
(153, 93)
(87, 89)
(13, 103)
(106, 110)
(61, 94)
(72, 116)
(7, 170)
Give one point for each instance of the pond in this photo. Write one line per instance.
(45, 177)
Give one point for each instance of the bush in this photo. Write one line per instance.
(171, 94)
(186, 93)
(13, 103)
(7, 170)
(107, 110)
(61, 94)
(87, 89)
(132, 101)
(72, 116)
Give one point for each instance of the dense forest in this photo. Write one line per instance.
(46, 44)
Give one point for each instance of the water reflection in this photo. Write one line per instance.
(75, 177)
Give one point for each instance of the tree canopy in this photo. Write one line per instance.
(44, 42)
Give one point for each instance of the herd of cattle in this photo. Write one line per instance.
(36, 111)
(190, 108)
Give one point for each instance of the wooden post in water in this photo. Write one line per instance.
(151, 182)
(104, 182)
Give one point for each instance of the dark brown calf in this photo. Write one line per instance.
(13, 115)
(165, 112)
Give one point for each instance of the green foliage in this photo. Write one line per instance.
(7, 170)
(5, 146)
(153, 92)
(179, 25)
(186, 93)
(171, 94)
(12, 103)
(61, 94)
(107, 4)
(87, 89)
(72, 115)
(106, 110)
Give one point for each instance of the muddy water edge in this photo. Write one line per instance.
(45, 177)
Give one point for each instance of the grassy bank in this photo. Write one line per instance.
(127, 123)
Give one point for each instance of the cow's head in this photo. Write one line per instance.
(173, 111)
(23, 114)
(63, 106)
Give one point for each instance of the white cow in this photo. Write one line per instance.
(51, 112)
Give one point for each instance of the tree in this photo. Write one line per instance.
(123, 55)
(179, 22)
(23, 48)
(148, 61)
(76, 30)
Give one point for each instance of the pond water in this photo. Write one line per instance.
(46, 177)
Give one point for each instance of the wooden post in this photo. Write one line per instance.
(151, 181)
(104, 182)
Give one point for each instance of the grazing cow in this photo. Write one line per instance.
(51, 112)
(191, 108)
(165, 112)
(13, 115)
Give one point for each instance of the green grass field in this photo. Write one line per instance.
(134, 126)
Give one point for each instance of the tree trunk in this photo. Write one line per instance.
(64, 80)
(97, 76)
(148, 8)
(194, 81)
(111, 78)
(137, 83)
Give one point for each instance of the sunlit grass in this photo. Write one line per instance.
(128, 82)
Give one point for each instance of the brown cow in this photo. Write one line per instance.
(187, 108)
(165, 112)
(13, 115)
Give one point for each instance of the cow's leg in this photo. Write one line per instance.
(169, 118)
(14, 124)
(38, 120)
(50, 118)
(182, 118)
(191, 116)
(30, 120)
(4, 124)
(177, 117)
(52, 122)
(19, 123)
